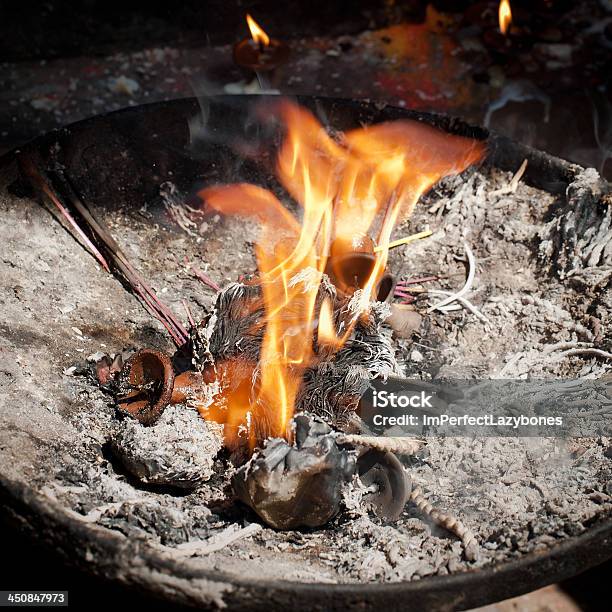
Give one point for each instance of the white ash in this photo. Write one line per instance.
(578, 242)
(527, 306)
(518, 495)
(167, 524)
(309, 277)
(179, 450)
(98, 496)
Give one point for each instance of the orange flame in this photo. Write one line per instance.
(326, 331)
(505, 16)
(360, 184)
(257, 33)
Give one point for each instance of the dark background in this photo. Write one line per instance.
(59, 60)
(72, 27)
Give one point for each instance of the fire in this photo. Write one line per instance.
(350, 188)
(259, 36)
(505, 16)
(326, 331)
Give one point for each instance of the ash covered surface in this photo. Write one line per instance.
(516, 495)
(179, 450)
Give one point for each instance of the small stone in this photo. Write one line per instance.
(45, 103)
(416, 356)
(403, 320)
(124, 85)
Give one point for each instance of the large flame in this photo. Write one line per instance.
(361, 183)
(505, 16)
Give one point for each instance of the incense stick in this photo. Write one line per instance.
(401, 241)
(113, 251)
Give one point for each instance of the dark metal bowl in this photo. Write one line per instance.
(117, 160)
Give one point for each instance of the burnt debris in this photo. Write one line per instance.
(297, 485)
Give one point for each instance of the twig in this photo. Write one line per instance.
(152, 308)
(93, 516)
(563, 346)
(121, 262)
(512, 186)
(28, 167)
(586, 351)
(448, 522)
(463, 301)
(466, 287)
(398, 445)
(188, 313)
(136, 281)
(150, 300)
(224, 539)
(429, 348)
(452, 308)
(415, 289)
(514, 182)
(406, 289)
(406, 240)
(574, 348)
(203, 277)
(418, 281)
(405, 294)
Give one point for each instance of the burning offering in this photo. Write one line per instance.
(340, 344)
(290, 340)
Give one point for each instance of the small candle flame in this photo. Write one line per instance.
(505, 16)
(259, 36)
